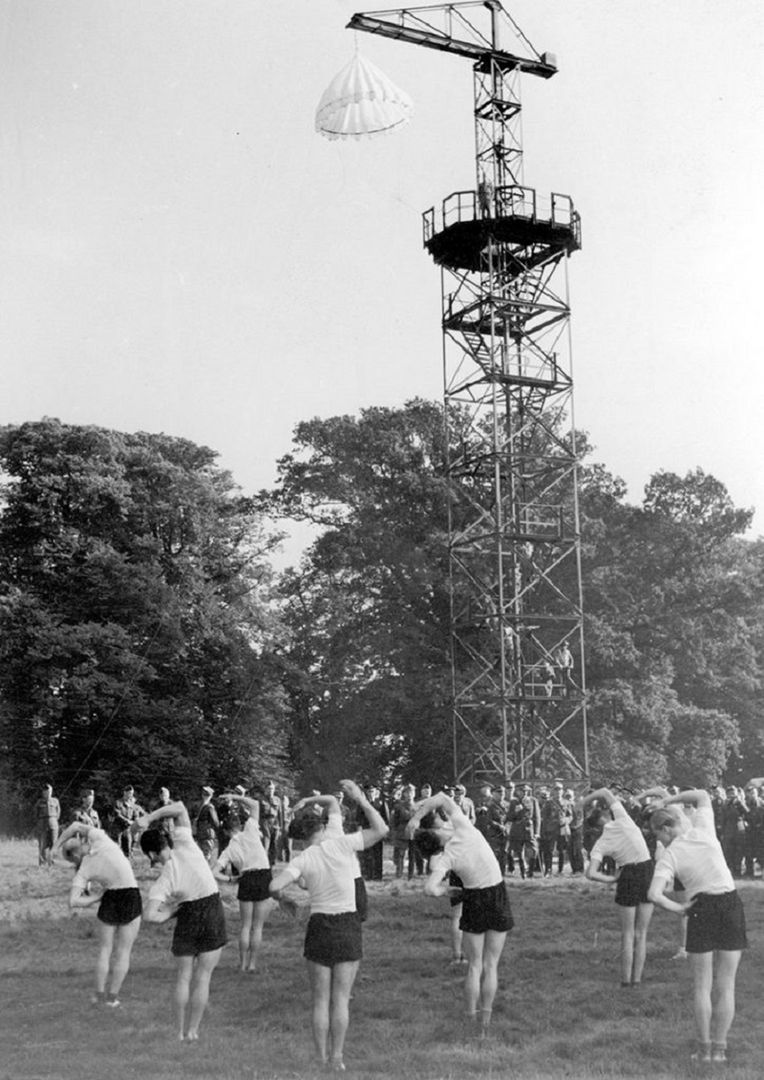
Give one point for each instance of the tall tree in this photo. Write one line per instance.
(368, 608)
(673, 607)
(673, 634)
(134, 625)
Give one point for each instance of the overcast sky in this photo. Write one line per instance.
(181, 252)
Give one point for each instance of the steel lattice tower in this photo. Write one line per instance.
(519, 706)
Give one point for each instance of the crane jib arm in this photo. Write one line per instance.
(432, 39)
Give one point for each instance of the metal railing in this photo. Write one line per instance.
(513, 201)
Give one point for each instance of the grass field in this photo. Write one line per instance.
(560, 1011)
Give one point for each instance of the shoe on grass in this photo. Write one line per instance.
(702, 1054)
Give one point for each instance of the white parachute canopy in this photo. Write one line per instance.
(361, 102)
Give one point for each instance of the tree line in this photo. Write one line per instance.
(146, 637)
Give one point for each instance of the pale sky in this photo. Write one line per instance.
(181, 252)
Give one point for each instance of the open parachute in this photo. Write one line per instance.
(361, 102)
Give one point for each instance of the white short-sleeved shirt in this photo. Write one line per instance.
(187, 874)
(329, 870)
(621, 839)
(468, 854)
(105, 863)
(696, 858)
(245, 850)
(334, 829)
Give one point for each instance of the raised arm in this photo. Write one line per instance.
(329, 801)
(439, 802)
(377, 828)
(77, 828)
(175, 810)
(252, 805)
(657, 792)
(695, 797)
(602, 794)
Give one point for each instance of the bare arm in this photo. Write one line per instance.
(252, 805)
(281, 881)
(691, 798)
(594, 873)
(377, 828)
(158, 911)
(221, 869)
(437, 882)
(330, 801)
(656, 895)
(175, 810)
(77, 828)
(602, 794)
(653, 793)
(80, 897)
(278, 885)
(437, 802)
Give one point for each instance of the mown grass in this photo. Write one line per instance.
(560, 1010)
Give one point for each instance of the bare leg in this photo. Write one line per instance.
(493, 946)
(628, 918)
(724, 1008)
(681, 953)
(343, 977)
(473, 950)
(123, 944)
(456, 934)
(184, 970)
(246, 911)
(206, 963)
(321, 989)
(644, 914)
(105, 943)
(702, 978)
(262, 909)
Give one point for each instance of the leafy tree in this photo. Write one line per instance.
(134, 621)
(673, 603)
(368, 609)
(673, 625)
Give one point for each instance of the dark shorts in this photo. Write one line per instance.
(200, 926)
(361, 899)
(486, 909)
(334, 939)
(455, 882)
(716, 923)
(254, 885)
(119, 907)
(633, 883)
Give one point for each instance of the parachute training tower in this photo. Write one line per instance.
(519, 694)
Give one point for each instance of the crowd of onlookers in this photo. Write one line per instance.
(213, 818)
(533, 829)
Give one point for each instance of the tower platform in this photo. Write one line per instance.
(531, 228)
